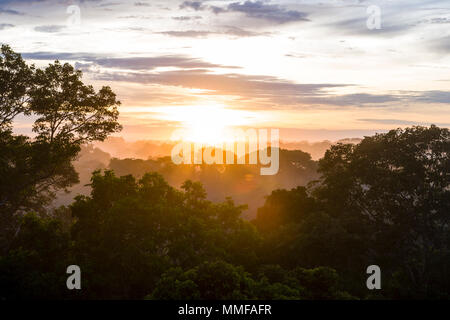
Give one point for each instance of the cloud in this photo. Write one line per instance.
(438, 20)
(441, 45)
(133, 16)
(58, 56)
(108, 4)
(356, 99)
(198, 74)
(256, 10)
(271, 91)
(264, 89)
(6, 26)
(187, 33)
(434, 96)
(270, 12)
(128, 63)
(227, 30)
(235, 31)
(358, 26)
(217, 10)
(10, 11)
(147, 63)
(49, 28)
(196, 5)
(186, 18)
(404, 122)
(142, 4)
(256, 90)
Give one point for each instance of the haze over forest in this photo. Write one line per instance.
(298, 167)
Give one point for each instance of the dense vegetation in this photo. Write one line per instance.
(241, 182)
(384, 201)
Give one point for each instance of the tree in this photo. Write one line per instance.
(218, 280)
(215, 280)
(128, 232)
(34, 267)
(384, 201)
(15, 83)
(69, 114)
(70, 111)
(284, 207)
(400, 182)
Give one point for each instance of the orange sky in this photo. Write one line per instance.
(314, 70)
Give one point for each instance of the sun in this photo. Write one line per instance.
(208, 124)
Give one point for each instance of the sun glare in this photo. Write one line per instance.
(208, 124)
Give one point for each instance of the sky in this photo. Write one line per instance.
(316, 70)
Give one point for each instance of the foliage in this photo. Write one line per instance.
(384, 201)
(68, 114)
(241, 182)
(153, 226)
(35, 265)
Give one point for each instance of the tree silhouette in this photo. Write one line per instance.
(68, 114)
(383, 201)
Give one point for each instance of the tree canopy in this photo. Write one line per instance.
(384, 201)
(67, 114)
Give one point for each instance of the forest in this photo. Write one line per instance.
(148, 229)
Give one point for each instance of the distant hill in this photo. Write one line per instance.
(241, 182)
(118, 147)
